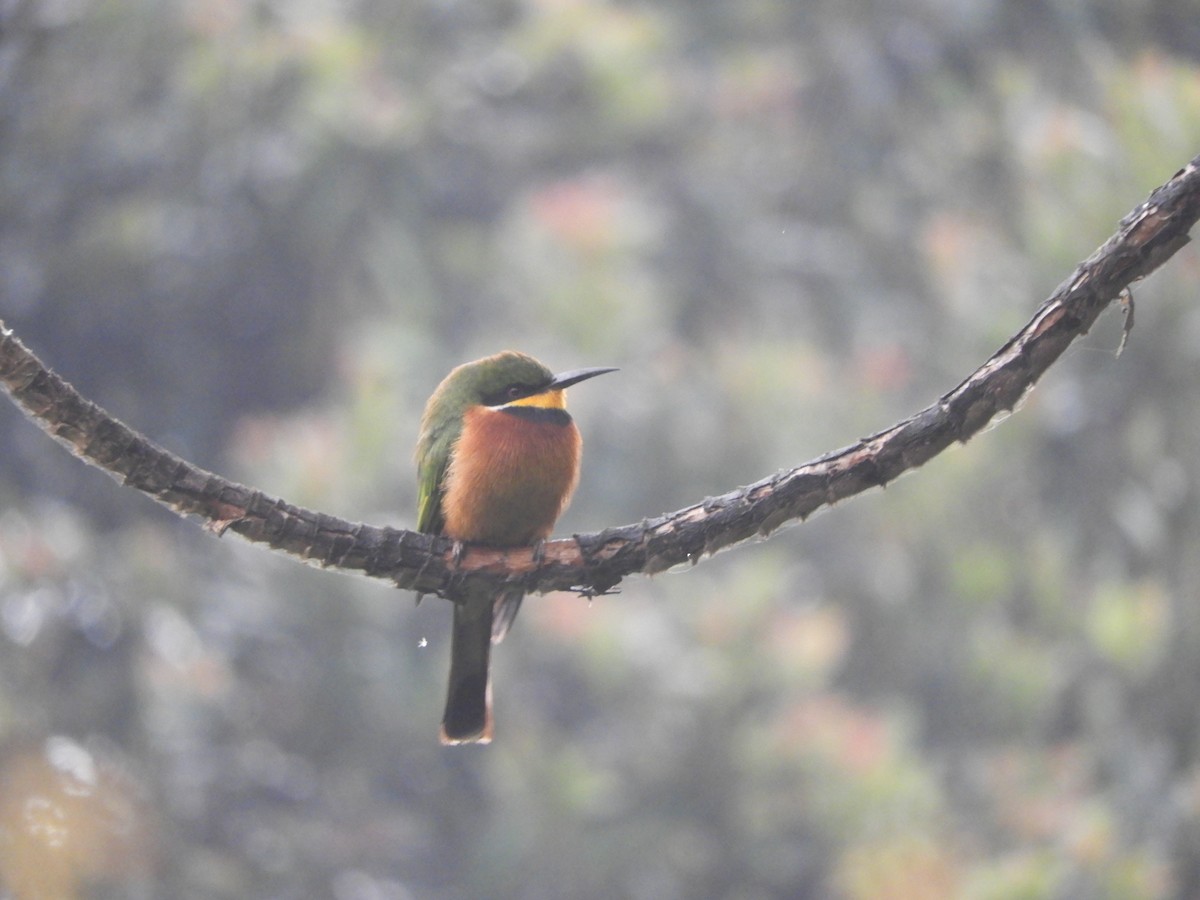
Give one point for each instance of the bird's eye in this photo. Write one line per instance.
(514, 392)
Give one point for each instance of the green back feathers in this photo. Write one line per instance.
(484, 381)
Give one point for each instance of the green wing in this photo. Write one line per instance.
(433, 455)
(429, 497)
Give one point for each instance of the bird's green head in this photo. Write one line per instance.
(507, 379)
(499, 379)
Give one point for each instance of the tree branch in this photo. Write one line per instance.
(594, 563)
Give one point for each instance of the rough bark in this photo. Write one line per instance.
(595, 563)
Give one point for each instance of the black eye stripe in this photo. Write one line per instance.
(510, 393)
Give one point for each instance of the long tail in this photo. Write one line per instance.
(468, 716)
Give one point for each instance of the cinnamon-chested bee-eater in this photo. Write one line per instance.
(497, 461)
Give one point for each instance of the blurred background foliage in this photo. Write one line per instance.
(261, 232)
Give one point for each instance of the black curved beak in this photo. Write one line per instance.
(566, 379)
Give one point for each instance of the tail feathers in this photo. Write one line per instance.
(504, 613)
(477, 625)
(468, 716)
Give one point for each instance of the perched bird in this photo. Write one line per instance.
(497, 461)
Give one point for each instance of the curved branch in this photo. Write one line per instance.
(594, 563)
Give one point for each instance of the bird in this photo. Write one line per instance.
(497, 461)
